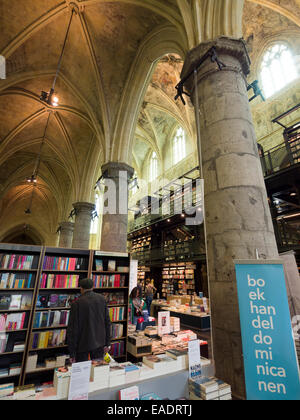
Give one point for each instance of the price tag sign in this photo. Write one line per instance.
(195, 369)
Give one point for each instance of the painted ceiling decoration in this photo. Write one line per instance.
(116, 90)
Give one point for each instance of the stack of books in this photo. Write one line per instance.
(208, 389)
(61, 381)
(15, 369)
(6, 391)
(146, 372)
(132, 372)
(174, 324)
(4, 372)
(116, 375)
(25, 392)
(99, 376)
(181, 356)
(153, 362)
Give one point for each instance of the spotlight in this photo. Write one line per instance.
(55, 101)
(32, 179)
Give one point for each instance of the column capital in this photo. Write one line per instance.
(112, 169)
(231, 52)
(66, 226)
(82, 206)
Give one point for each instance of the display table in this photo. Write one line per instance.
(171, 386)
(191, 320)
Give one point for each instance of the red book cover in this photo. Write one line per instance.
(23, 320)
(22, 262)
(11, 261)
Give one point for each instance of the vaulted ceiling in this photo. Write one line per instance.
(105, 109)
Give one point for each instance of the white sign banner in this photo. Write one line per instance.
(80, 380)
(194, 359)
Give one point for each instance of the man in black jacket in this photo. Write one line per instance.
(88, 331)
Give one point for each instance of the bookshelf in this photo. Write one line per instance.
(43, 287)
(110, 273)
(175, 275)
(19, 266)
(58, 286)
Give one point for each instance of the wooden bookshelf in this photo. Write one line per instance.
(14, 276)
(121, 260)
(43, 257)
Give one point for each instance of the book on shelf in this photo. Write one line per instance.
(3, 342)
(17, 280)
(108, 280)
(117, 313)
(55, 300)
(15, 302)
(111, 266)
(116, 331)
(26, 301)
(51, 319)
(16, 262)
(15, 369)
(12, 322)
(117, 349)
(114, 298)
(19, 346)
(47, 339)
(64, 263)
(99, 264)
(59, 281)
(5, 302)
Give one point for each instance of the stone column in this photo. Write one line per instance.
(237, 215)
(83, 217)
(66, 234)
(114, 223)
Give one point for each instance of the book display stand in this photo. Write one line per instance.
(37, 288)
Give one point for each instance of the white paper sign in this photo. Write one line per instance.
(133, 274)
(80, 380)
(163, 323)
(194, 359)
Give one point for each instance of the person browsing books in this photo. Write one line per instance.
(137, 303)
(88, 332)
(149, 292)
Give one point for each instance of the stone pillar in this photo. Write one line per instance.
(237, 215)
(83, 217)
(66, 234)
(114, 223)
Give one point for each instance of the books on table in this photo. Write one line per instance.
(129, 394)
(209, 388)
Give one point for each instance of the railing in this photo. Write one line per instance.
(181, 251)
(281, 157)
